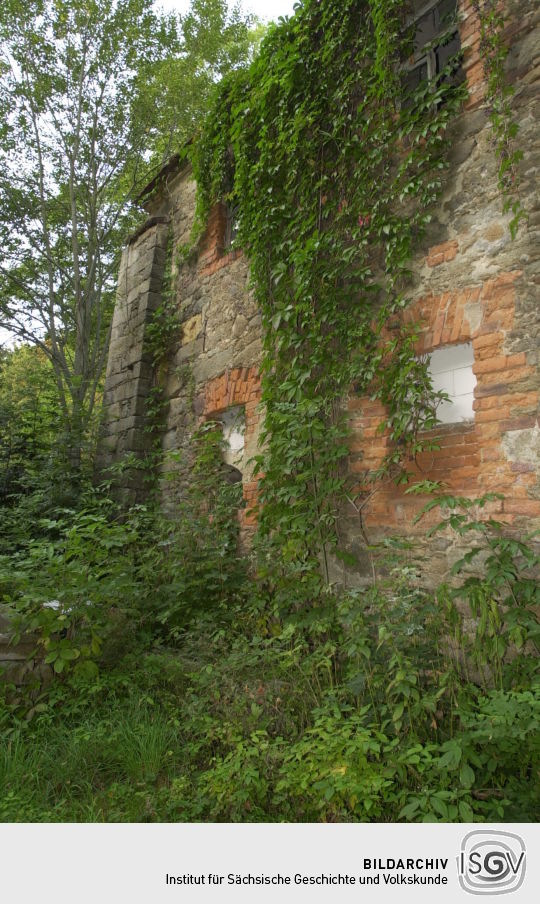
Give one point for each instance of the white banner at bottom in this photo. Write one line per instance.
(211, 864)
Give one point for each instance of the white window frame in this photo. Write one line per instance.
(233, 424)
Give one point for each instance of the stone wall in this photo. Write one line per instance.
(215, 364)
(471, 283)
(130, 373)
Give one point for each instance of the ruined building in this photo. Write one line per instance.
(475, 292)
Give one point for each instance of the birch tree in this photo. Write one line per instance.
(70, 157)
(93, 94)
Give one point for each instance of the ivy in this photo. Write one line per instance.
(493, 52)
(161, 335)
(333, 167)
(164, 326)
(386, 18)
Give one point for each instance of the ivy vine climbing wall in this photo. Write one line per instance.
(334, 167)
(370, 228)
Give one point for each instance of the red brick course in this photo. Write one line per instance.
(469, 32)
(471, 459)
(439, 254)
(212, 256)
(239, 386)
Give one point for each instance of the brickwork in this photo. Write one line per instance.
(469, 32)
(439, 254)
(240, 386)
(470, 283)
(213, 254)
(472, 459)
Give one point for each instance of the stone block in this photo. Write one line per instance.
(191, 329)
(192, 350)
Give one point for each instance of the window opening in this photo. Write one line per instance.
(436, 43)
(451, 372)
(231, 226)
(233, 425)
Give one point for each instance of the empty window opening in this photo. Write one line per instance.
(231, 225)
(233, 424)
(451, 372)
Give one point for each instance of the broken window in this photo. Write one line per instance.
(233, 425)
(436, 44)
(231, 225)
(451, 372)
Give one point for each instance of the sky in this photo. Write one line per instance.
(265, 9)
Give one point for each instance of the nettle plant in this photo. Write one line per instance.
(333, 162)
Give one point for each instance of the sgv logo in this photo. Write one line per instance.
(491, 863)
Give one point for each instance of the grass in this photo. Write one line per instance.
(237, 726)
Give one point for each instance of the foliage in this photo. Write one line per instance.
(333, 167)
(28, 420)
(493, 52)
(64, 583)
(70, 157)
(501, 589)
(368, 708)
(198, 563)
(83, 88)
(213, 39)
(182, 689)
(81, 577)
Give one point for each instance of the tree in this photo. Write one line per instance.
(28, 419)
(213, 40)
(93, 94)
(70, 155)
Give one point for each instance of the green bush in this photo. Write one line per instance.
(183, 693)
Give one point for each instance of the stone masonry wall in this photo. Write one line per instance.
(471, 283)
(130, 374)
(215, 364)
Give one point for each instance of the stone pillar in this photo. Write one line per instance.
(130, 368)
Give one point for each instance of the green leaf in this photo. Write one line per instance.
(452, 756)
(465, 811)
(439, 806)
(466, 776)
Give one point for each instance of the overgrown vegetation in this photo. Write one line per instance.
(493, 50)
(183, 693)
(91, 95)
(334, 166)
(180, 682)
(29, 420)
